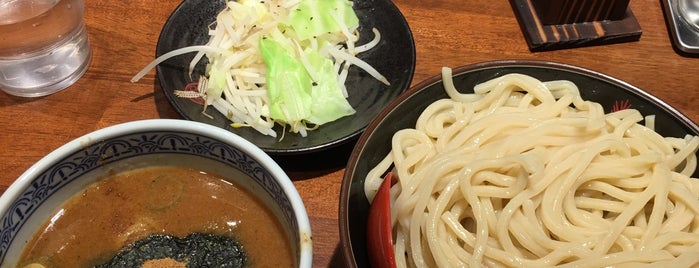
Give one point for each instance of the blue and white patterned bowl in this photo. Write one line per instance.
(28, 202)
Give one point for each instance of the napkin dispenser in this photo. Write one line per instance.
(560, 24)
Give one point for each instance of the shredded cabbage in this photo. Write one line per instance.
(281, 61)
(288, 83)
(313, 18)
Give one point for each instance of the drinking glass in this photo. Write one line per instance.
(43, 46)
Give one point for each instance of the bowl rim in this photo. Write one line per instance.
(345, 241)
(304, 228)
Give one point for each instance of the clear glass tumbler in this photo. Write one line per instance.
(43, 46)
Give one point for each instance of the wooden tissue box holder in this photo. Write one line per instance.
(560, 24)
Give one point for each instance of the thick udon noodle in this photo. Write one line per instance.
(526, 173)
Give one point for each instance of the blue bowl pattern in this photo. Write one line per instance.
(123, 147)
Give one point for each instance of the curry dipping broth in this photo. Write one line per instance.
(92, 226)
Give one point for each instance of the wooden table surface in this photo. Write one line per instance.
(123, 35)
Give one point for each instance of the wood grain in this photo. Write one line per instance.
(576, 26)
(450, 33)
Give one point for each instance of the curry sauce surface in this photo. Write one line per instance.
(96, 223)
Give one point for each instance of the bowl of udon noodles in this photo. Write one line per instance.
(522, 163)
(155, 193)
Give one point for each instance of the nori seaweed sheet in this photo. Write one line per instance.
(196, 250)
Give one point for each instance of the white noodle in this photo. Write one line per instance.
(525, 173)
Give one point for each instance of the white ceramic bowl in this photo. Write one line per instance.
(28, 202)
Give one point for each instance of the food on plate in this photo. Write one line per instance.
(282, 61)
(525, 173)
(162, 214)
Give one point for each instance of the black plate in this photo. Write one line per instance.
(402, 113)
(394, 57)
